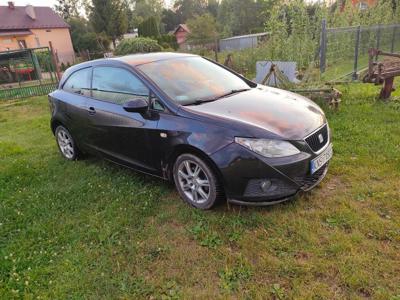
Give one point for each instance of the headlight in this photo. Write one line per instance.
(268, 148)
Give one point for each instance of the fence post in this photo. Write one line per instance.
(36, 66)
(356, 52)
(322, 48)
(53, 56)
(378, 40)
(393, 38)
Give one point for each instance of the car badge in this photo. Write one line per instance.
(321, 138)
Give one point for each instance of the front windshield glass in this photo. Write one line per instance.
(191, 80)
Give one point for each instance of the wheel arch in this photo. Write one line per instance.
(54, 124)
(182, 149)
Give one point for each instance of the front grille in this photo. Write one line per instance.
(314, 140)
(311, 180)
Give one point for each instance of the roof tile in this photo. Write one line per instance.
(17, 18)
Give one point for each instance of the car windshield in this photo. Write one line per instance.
(193, 80)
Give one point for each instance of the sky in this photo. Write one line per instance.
(33, 2)
(46, 2)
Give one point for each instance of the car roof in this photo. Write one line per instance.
(132, 60)
(140, 59)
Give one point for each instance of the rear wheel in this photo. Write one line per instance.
(196, 182)
(66, 143)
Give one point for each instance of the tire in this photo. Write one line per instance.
(66, 143)
(196, 182)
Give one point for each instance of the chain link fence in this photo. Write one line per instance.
(326, 54)
(344, 51)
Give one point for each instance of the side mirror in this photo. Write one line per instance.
(136, 105)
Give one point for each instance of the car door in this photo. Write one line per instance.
(119, 135)
(72, 102)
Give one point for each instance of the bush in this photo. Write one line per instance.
(168, 41)
(137, 45)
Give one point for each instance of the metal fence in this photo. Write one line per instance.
(26, 72)
(344, 51)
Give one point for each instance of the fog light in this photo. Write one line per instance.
(265, 185)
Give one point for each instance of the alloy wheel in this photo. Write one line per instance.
(65, 143)
(193, 181)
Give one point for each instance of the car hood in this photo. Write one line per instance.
(282, 113)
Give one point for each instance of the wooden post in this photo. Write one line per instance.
(356, 47)
(54, 59)
(216, 49)
(322, 48)
(387, 88)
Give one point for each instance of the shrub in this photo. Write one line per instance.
(168, 41)
(137, 45)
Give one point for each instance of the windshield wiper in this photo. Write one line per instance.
(197, 102)
(231, 93)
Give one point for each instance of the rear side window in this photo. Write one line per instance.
(79, 82)
(117, 85)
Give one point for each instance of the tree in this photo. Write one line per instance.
(67, 8)
(109, 17)
(149, 28)
(187, 9)
(203, 30)
(240, 16)
(170, 20)
(144, 9)
(212, 7)
(244, 16)
(83, 36)
(118, 24)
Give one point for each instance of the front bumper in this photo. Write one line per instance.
(251, 179)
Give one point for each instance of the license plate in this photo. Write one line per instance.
(321, 160)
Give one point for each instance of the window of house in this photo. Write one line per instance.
(117, 85)
(22, 44)
(79, 82)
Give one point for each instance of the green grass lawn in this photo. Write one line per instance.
(92, 230)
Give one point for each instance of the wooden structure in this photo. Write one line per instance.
(331, 95)
(383, 72)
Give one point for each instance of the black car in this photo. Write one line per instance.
(185, 118)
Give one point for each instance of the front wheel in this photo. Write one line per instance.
(196, 182)
(66, 143)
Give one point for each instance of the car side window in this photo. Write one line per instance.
(79, 82)
(155, 104)
(117, 85)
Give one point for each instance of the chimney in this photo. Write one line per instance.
(30, 11)
(11, 5)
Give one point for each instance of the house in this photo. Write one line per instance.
(360, 4)
(33, 27)
(181, 32)
(363, 4)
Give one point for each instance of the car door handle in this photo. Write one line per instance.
(91, 110)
